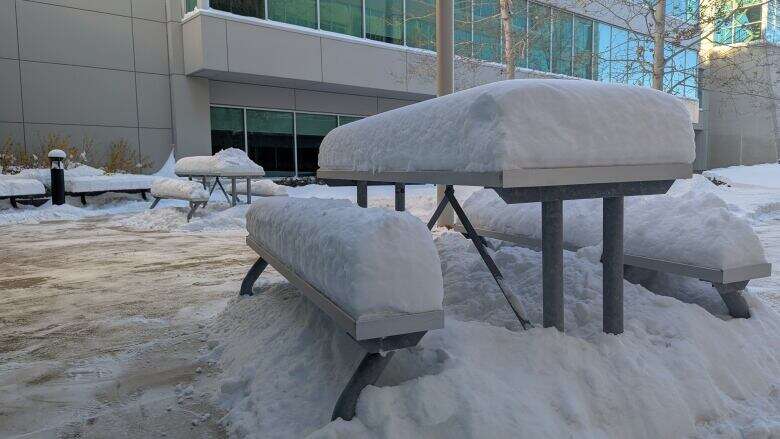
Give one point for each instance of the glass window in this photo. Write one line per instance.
(583, 48)
(618, 56)
(191, 5)
(300, 12)
(311, 129)
(343, 120)
(539, 37)
(773, 21)
(487, 31)
(691, 74)
(561, 42)
(638, 71)
(463, 28)
(227, 128)
(603, 64)
(519, 32)
(270, 141)
(743, 25)
(342, 16)
(249, 8)
(421, 24)
(385, 21)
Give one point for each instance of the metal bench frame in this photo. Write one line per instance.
(193, 205)
(83, 195)
(233, 198)
(36, 200)
(379, 336)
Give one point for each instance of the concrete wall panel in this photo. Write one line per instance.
(120, 7)
(10, 91)
(192, 119)
(335, 103)
(8, 44)
(149, 9)
(78, 95)
(363, 65)
(71, 36)
(154, 100)
(262, 50)
(247, 95)
(205, 44)
(173, 10)
(175, 48)
(151, 46)
(13, 131)
(386, 104)
(156, 147)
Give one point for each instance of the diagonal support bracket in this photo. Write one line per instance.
(484, 253)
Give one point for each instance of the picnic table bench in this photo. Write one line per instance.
(230, 164)
(21, 190)
(175, 189)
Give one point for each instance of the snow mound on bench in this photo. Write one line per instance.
(109, 183)
(179, 189)
(263, 188)
(368, 261)
(693, 227)
(231, 161)
(676, 372)
(44, 175)
(527, 123)
(15, 186)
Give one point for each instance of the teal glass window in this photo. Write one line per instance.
(342, 16)
(487, 31)
(744, 25)
(618, 56)
(603, 44)
(311, 129)
(691, 74)
(190, 5)
(561, 42)
(638, 70)
(583, 48)
(270, 141)
(343, 120)
(421, 24)
(385, 21)
(773, 21)
(227, 128)
(539, 37)
(520, 32)
(463, 28)
(248, 8)
(300, 12)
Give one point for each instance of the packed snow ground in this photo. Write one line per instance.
(115, 330)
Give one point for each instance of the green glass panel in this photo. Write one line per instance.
(561, 42)
(618, 56)
(487, 30)
(463, 24)
(311, 129)
(583, 48)
(342, 16)
(385, 21)
(421, 24)
(343, 120)
(227, 119)
(636, 67)
(539, 37)
(603, 64)
(191, 5)
(249, 8)
(315, 124)
(519, 32)
(300, 12)
(277, 122)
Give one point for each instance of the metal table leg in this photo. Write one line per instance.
(400, 197)
(612, 264)
(248, 190)
(233, 194)
(552, 264)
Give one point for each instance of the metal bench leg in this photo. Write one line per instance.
(154, 203)
(251, 276)
(193, 208)
(143, 195)
(233, 192)
(367, 373)
(517, 307)
(13, 203)
(613, 265)
(552, 264)
(248, 190)
(732, 296)
(362, 193)
(83, 199)
(400, 197)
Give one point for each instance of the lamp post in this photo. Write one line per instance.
(445, 53)
(57, 156)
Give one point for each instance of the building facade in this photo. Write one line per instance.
(272, 77)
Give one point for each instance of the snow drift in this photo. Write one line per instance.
(520, 124)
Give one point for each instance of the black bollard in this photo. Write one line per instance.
(57, 156)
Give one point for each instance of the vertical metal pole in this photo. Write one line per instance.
(362, 193)
(400, 197)
(552, 264)
(233, 195)
(248, 190)
(445, 55)
(613, 265)
(57, 186)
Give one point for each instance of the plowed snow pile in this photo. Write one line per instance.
(677, 371)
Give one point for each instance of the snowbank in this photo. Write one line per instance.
(44, 175)
(518, 124)
(368, 261)
(765, 175)
(14, 186)
(692, 227)
(179, 189)
(107, 183)
(263, 188)
(227, 162)
(677, 371)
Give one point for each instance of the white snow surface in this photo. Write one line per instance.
(262, 188)
(677, 371)
(179, 189)
(526, 123)
(113, 182)
(231, 161)
(687, 226)
(765, 175)
(351, 254)
(15, 186)
(44, 175)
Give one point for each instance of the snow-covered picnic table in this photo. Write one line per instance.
(15, 188)
(232, 164)
(531, 141)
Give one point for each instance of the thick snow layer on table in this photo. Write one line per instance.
(107, 183)
(179, 189)
(368, 261)
(44, 175)
(693, 227)
(231, 161)
(677, 371)
(518, 124)
(16, 186)
(263, 188)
